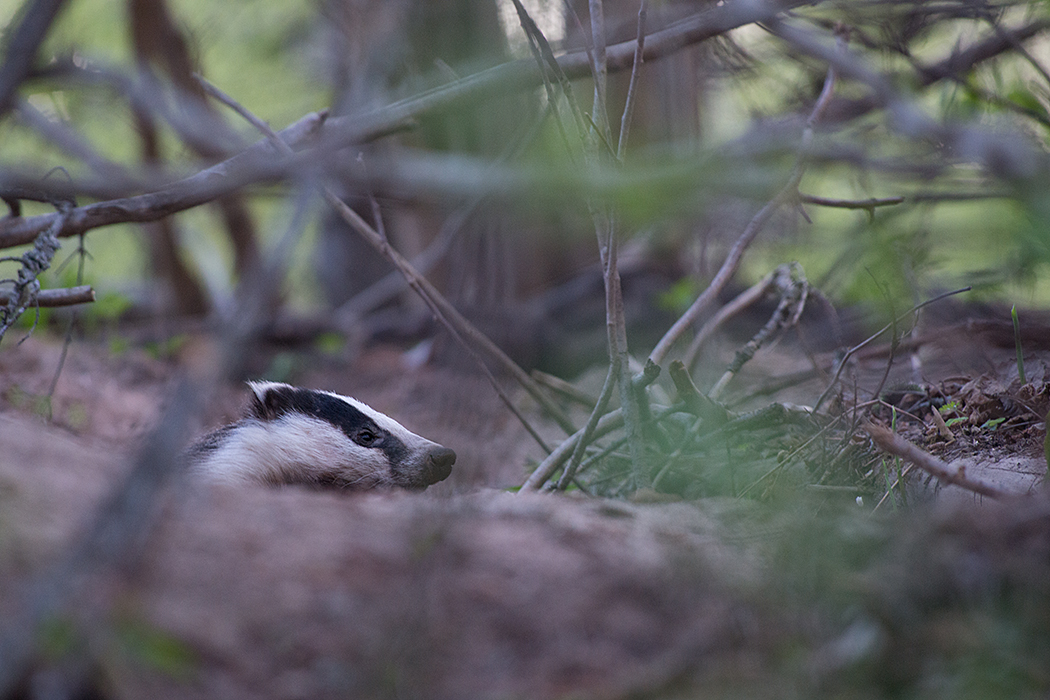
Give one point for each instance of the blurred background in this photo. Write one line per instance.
(712, 138)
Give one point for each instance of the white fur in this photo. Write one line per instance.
(290, 450)
(297, 448)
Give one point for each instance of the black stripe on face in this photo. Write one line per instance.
(356, 425)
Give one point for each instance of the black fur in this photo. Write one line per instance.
(209, 443)
(279, 401)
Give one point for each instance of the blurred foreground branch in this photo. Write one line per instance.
(257, 163)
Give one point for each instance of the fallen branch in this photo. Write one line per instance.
(889, 441)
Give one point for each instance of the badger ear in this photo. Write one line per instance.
(270, 400)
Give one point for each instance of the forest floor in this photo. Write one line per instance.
(469, 591)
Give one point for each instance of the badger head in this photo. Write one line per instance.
(291, 435)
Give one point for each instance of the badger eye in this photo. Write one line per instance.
(365, 437)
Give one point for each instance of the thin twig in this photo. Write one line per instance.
(628, 107)
(600, 66)
(894, 343)
(611, 377)
(606, 424)
(793, 293)
(633, 403)
(868, 205)
(82, 254)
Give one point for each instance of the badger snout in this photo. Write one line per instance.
(438, 464)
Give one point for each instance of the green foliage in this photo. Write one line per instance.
(58, 637)
(146, 645)
(167, 348)
(330, 343)
(679, 296)
(768, 454)
(39, 404)
(282, 367)
(108, 307)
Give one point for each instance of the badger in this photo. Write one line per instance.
(290, 435)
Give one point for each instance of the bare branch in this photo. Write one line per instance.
(866, 204)
(889, 441)
(257, 163)
(794, 289)
(69, 296)
(598, 411)
(600, 68)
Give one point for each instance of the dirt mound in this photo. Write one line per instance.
(290, 593)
